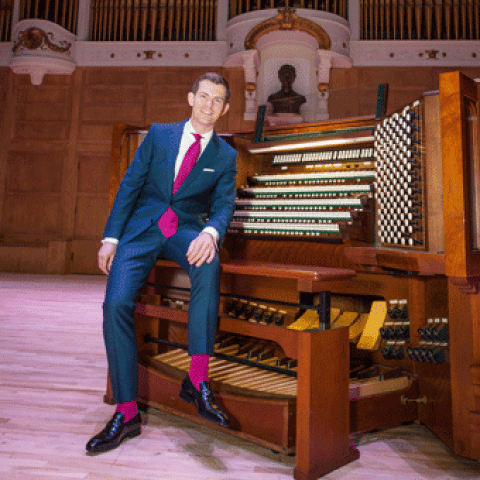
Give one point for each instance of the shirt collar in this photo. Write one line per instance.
(205, 136)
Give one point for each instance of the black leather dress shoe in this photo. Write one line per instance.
(114, 433)
(207, 406)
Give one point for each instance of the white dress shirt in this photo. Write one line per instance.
(187, 140)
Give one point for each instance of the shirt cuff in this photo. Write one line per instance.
(110, 240)
(213, 233)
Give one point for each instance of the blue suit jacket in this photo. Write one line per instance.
(146, 189)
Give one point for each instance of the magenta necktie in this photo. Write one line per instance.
(168, 222)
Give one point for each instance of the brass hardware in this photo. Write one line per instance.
(432, 53)
(405, 400)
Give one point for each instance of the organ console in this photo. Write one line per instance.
(349, 291)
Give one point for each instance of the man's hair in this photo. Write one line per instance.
(214, 78)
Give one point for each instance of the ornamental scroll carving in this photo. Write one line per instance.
(41, 47)
(34, 38)
(287, 19)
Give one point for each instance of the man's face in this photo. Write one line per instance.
(208, 104)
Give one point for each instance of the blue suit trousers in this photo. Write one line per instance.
(131, 266)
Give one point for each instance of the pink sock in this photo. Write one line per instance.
(199, 369)
(129, 409)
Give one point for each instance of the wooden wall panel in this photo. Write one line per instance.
(83, 258)
(24, 94)
(33, 214)
(90, 217)
(42, 113)
(115, 76)
(158, 94)
(93, 173)
(94, 133)
(30, 172)
(42, 131)
(108, 113)
(92, 197)
(5, 128)
(167, 94)
(114, 95)
(234, 119)
(353, 92)
(3, 86)
(37, 112)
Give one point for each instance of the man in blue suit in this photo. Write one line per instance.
(176, 201)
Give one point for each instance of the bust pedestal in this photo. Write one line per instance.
(283, 118)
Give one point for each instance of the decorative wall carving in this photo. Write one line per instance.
(33, 38)
(287, 19)
(312, 41)
(41, 47)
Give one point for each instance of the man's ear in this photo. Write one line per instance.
(190, 97)
(225, 109)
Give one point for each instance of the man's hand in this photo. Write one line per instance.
(105, 256)
(201, 250)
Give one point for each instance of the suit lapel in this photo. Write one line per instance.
(174, 140)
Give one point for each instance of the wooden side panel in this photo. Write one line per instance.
(433, 169)
(5, 92)
(461, 260)
(322, 404)
(463, 320)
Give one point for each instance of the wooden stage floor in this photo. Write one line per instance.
(52, 380)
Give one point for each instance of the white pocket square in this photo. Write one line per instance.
(208, 170)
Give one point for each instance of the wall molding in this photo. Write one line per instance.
(415, 53)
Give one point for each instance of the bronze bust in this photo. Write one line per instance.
(286, 100)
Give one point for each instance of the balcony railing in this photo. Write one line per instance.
(420, 19)
(160, 20)
(61, 12)
(6, 11)
(238, 7)
(196, 20)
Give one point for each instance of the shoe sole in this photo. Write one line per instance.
(213, 420)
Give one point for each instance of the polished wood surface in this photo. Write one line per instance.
(55, 151)
(373, 258)
(459, 99)
(53, 379)
(462, 260)
(73, 116)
